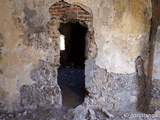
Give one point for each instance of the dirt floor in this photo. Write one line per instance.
(72, 84)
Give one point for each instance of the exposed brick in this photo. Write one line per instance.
(87, 13)
(77, 8)
(56, 49)
(61, 11)
(58, 4)
(49, 31)
(53, 11)
(82, 17)
(57, 56)
(52, 6)
(85, 17)
(81, 12)
(71, 14)
(66, 6)
(56, 59)
(57, 8)
(54, 40)
(55, 14)
(69, 9)
(66, 12)
(54, 37)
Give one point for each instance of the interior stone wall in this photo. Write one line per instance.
(155, 91)
(153, 80)
(115, 75)
(116, 91)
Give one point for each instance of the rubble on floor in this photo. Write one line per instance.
(81, 112)
(72, 83)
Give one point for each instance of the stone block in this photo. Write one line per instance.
(1, 43)
(1, 36)
(1, 55)
(1, 71)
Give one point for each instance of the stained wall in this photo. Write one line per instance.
(115, 74)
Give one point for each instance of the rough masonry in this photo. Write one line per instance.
(118, 69)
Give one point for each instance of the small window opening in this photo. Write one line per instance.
(62, 42)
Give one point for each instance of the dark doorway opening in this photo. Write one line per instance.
(71, 76)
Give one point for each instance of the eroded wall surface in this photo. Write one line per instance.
(115, 77)
(155, 75)
(153, 66)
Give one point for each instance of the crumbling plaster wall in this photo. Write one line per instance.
(154, 72)
(155, 91)
(121, 34)
(18, 57)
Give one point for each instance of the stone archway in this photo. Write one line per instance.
(62, 13)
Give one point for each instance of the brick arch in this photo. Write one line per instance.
(63, 12)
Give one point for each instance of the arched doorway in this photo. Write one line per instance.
(74, 51)
(71, 26)
(71, 76)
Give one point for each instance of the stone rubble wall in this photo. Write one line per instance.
(155, 86)
(116, 91)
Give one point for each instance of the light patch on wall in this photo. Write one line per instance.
(4, 49)
(29, 66)
(50, 40)
(62, 42)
